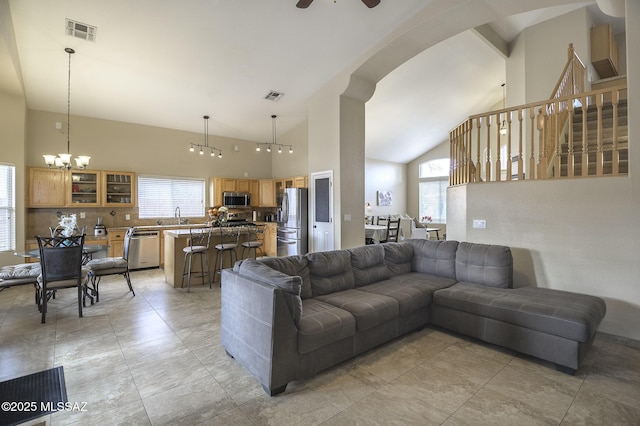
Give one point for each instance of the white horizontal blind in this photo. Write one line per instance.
(7, 207)
(159, 196)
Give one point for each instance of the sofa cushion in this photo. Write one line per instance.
(398, 257)
(434, 257)
(330, 271)
(322, 324)
(410, 297)
(484, 264)
(369, 309)
(367, 263)
(292, 265)
(570, 315)
(418, 279)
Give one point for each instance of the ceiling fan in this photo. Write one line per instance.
(303, 4)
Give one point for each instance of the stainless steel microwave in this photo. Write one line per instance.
(236, 199)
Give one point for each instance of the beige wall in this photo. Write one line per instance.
(295, 164)
(579, 235)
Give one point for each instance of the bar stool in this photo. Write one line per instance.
(255, 240)
(199, 239)
(229, 238)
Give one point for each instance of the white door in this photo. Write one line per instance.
(321, 211)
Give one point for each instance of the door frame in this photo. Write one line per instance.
(315, 242)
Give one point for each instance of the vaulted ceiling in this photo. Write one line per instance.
(166, 63)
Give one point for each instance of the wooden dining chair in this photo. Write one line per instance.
(393, 231)
(61, 267)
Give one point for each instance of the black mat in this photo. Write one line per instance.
(31, 396)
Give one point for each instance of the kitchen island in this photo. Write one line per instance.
(177, 239)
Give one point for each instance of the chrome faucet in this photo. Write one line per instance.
(177, 214)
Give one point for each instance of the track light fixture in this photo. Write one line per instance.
(273, 142)
(212, 149)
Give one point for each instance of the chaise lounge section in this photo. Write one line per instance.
(288, 318)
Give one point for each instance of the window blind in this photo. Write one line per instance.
(159, 196)
(7, 207)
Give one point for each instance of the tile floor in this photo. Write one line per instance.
(156, 359)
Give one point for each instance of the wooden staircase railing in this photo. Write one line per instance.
(544, 138)
(594, 141)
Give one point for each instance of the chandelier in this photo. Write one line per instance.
(273, 142)
(212, 149)
(63, 161)
(503, 126)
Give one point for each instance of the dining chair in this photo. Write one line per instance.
(382, 220)
(199, 239)
(61, 267)
(110, 266)
(255, 240)
(393, 231)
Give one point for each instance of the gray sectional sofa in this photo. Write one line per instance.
(288, 318)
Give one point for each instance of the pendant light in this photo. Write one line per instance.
(205, 147)
(63, 161)
(273, 140)
(503, 126)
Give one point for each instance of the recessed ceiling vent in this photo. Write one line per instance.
(274, 96)
(80, 30)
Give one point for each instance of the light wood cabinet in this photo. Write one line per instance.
(267, 193)
(242, 185)
(119, 189)
(604, 51)
(300, 182)
(47, 188)
(271, 240)
(228, 185)
(80, 188)
(116, 243)
(254, 189)
(84, 188)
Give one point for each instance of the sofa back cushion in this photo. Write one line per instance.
(367, 263)
(398, 257)
(293, 265)
(434, 257)
(330, 272)
(257, 271)
(490, 265)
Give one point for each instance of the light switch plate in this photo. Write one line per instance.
(347, 217)
(127, 217)
(82, 215)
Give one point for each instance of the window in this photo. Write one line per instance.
(7, 207)
(159, 196)
(434, 180)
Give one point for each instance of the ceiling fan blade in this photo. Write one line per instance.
(370, 3)
(303, 4)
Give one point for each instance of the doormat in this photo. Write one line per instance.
(31, 396)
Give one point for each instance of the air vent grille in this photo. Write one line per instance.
(79, 30)
(274, 96)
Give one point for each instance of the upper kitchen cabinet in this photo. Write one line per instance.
(119, 189)
(84, 188)
(242, 185)
(267, 193)
(254, 189)
(300, 182)
(47, 188)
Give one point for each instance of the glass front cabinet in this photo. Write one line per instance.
(84, 188)
(118, 189)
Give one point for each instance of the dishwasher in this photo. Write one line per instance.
(144, 249)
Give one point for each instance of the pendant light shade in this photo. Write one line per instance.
(503, 126)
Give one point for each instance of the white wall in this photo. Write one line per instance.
(386, 176)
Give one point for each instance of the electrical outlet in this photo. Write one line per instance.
(127, 217)
(479, 223)
(82, 215)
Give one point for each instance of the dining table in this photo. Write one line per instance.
(375, 233)
(87, 252)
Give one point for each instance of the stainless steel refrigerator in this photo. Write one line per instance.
(292, 221)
